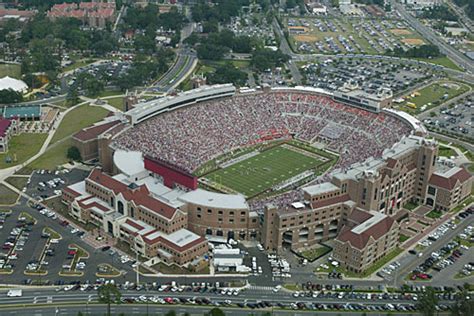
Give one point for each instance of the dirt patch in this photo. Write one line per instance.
(306, 38)
(400, 31)
(298, 29)
(451, 85)
(413, 41)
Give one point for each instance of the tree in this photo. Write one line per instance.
(108, 294)
(228, 73)
(73, 153)
(427, 302)
(464, 305)
(72, 96)
(216, 312)
(263, 59)
(10, 96)
(171, 313)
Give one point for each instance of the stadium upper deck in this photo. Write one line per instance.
(192, 135)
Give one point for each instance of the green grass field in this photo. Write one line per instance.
(443, 61)
(10, 70)
(116, 102)
(21, 147)
(77, 119)
(434, 95)
(259, 173)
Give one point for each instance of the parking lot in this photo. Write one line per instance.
(439, 255)
(457, 118)
(44, 184)
(369, 75)
(354, 35)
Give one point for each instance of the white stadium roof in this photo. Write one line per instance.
(13, 84)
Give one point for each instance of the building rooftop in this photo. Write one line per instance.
(320, 188)
(129, 162)
(215, 200)
(448, 179)
(375, 226)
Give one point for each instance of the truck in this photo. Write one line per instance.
(15, 293)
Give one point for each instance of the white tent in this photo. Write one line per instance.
(12, 83)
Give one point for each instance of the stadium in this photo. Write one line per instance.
(263, 145)
(287, 167)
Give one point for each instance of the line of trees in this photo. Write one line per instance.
(423, 51)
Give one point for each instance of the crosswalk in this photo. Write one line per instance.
(260, 288)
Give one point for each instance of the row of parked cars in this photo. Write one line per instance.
(15, 241)
(465, 214)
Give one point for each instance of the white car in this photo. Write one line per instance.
(277, 288)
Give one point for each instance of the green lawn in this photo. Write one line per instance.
(377, 265)
(116, 103)
(402, 238)
(77, 119)
(22, 147)
(17, 182)
(109, 93)
(53, 157)
(315, 253)
(444, 151)
(471, 167)
(10, 70)
(443, 61)
(7, 196)
(259, 173)
(28, 217)
(410, 206)
(52, 233)
(434, 95)
(434, 214)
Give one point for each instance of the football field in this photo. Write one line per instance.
(261, 172)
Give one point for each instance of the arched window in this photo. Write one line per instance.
(120, 207)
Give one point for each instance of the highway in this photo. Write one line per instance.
(85, 301)
(460, 59)
(185, 62)
(143, 309)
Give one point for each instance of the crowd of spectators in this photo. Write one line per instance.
(190, 136)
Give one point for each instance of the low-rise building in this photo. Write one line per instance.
(95, 14)
(364, 239)
(449, 187)
(130, 212)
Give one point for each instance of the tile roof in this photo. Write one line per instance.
(360, 240)
(161, 238)
(358, 216)
(140, 196)
(449, 183)
(92, 132)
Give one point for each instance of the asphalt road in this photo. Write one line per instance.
(161, 310)
(181, 67)
(52, 298)
(427, 33)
